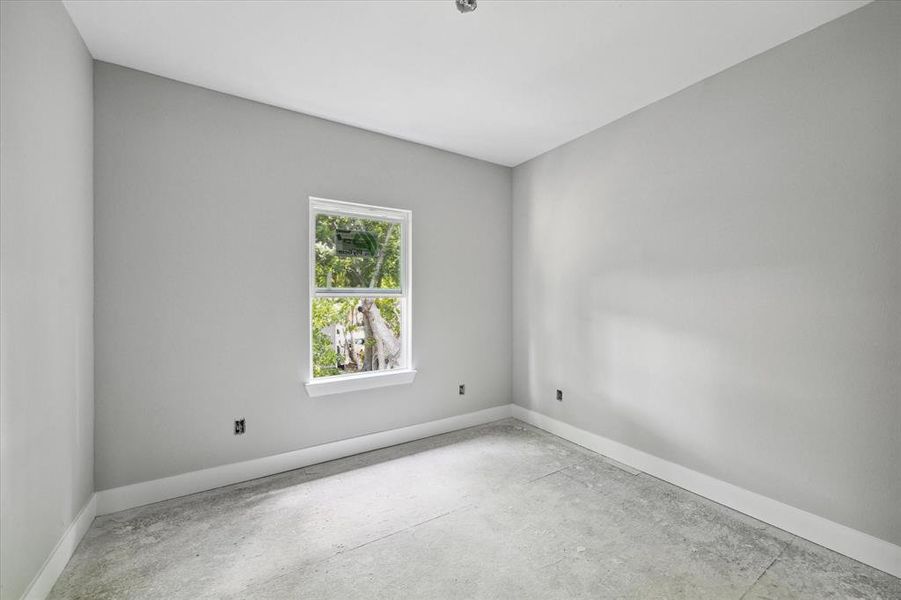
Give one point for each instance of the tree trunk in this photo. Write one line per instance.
(384, 352)
(367, 331)
(387, 346)
(351, 341)
(377, 272)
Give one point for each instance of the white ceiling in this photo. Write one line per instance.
(504, 83)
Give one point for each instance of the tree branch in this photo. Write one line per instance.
(377, 273)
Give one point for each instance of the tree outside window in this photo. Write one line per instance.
(359, 288)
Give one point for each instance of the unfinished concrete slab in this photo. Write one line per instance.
(498, 511)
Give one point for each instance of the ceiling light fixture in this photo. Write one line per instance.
(465, 6)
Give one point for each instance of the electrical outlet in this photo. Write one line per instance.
(462, 389)
(560, 395)
(240, 427)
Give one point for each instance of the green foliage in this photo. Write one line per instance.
(333, 271)
(328, 312)
(381, 269)
(390, 309)
(325, 359)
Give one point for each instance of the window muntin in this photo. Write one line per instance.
(359, 280)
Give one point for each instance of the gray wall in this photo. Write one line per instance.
(716, 278)
(201, 266)
(46, 285)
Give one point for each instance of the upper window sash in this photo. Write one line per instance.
(321, 206)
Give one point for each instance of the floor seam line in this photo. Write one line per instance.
(387, 535)
(547, 474)
(768, 567)
(579, 462)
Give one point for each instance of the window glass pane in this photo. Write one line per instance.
(352, 252)
(355, 335)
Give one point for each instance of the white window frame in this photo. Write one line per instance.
(335, 384)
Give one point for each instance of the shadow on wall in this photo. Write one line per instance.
(715, 369)
(740, 342)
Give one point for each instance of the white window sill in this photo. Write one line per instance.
(341, 384)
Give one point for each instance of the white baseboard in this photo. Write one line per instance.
(50, 571)
(860, 546)
(147, 492)
(850, 542)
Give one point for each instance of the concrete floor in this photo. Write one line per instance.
(498, 511)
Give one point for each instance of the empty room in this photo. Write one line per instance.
(450, 299)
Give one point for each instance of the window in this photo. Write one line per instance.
(360, 303)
